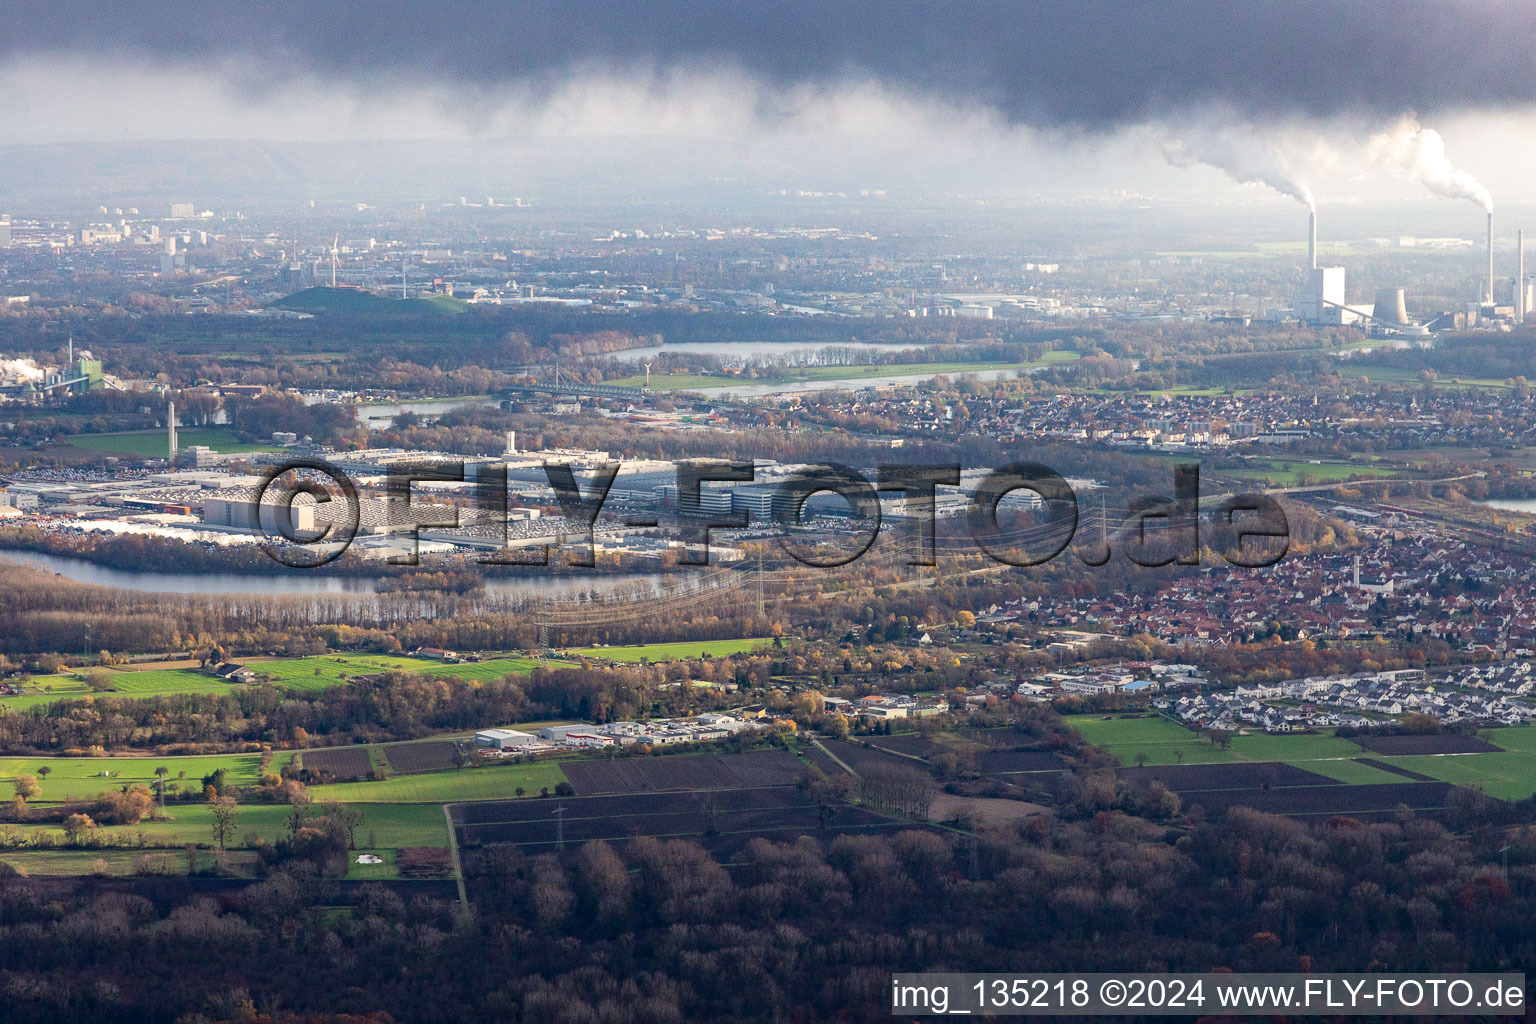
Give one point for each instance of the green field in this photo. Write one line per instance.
(151, 682)
(78, 862)
(373, 871)
(1521, 738)
(1508, 775)
(1289, 472)
(1351, 773)
(81, 776)
(356, 300)
(1262, 746)
(323, 671)
(675, 651)
(391, 825)
(1157, 738)
(491, 782)
(153, 442)
(316, 673)
(45, 690)
(802, 374)
(1395, 374)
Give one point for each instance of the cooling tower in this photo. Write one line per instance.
(1390, 307)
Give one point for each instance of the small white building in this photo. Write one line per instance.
(588, 739)
(503, 739)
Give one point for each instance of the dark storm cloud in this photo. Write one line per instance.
(1084, 63)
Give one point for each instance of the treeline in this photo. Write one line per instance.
(387, 706)
(658, 932)
(43, 614)
(1479, 356)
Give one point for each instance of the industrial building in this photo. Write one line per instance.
(1323, 298)
(238, 512)
(504, 739)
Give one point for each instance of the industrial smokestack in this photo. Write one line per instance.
(1519, 277)
(1312, 239)
(1490, 257)
(170, 428)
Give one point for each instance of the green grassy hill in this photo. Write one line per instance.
(355, 301)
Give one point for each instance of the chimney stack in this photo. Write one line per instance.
(1490, 258)
(1312, 239)
(1520, 309)
(170, 427)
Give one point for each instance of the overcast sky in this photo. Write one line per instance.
(1301, 95)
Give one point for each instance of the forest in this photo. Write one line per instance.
(659, 931)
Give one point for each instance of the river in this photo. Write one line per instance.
(300, 581)
(1526, 505)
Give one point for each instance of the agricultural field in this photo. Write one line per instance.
(313, 673)
(1355, 773)
(861, 758)
(1260, 746)
(1011, 762)
(674, 651)
(341, 763)
(1378, 800)
(79, 862)
(1158, 738)
(1361, 790)
(723, 820)
(1295, 472)
(852, 374)
(1441, 743)
(323, 671)
(1503, 766)
(384, 825)
(125, 683)
(428, 756)
(87, 776)
(1507, 775)
(1161, 740)
(1520, 738)
(152, 443)
(153, 682)
(1368, 371)
(490, 782)
(686, 772)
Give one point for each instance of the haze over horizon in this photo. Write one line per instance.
(1064, 99)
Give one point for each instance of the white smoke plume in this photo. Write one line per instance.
(1283, 160)
(1413, 151)
(20, 369)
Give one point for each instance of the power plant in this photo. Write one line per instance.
(1391, 308)
(1323, 299)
